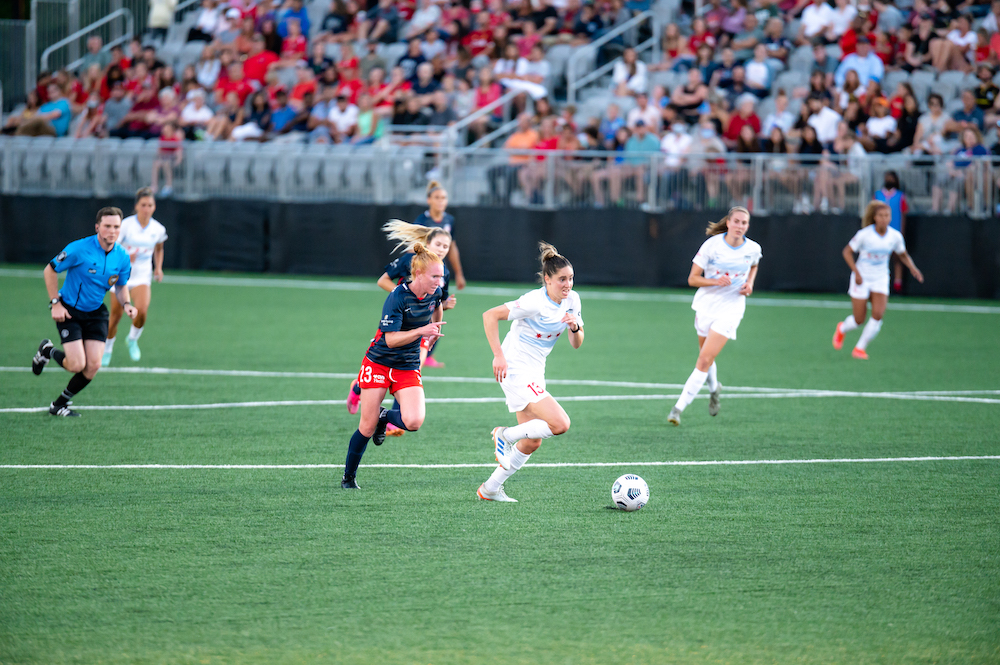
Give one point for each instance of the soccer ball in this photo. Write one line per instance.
(630, 492)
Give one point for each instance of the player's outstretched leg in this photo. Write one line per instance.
(42, 356)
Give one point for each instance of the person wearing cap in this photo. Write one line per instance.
(196, 115)
(342, 120)
(868, 65)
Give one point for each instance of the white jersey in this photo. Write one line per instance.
(717, 258)
(139, 243)
(874, 251)
(536, 325)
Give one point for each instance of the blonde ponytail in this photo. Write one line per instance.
(407, 235)
(721, 226)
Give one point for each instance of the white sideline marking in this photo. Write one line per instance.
(284, 283)
(496, 400)
(540, 465)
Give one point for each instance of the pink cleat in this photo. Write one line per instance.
(353, 401)
(433, 364)
(859, 354)
(838, 337)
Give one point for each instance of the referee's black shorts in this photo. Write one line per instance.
(84, 325)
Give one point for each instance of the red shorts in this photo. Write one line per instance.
(373, 375)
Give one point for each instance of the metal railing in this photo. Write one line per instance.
(591, 51)
(383, 173)
(74, 39)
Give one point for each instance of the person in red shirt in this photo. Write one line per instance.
(294, 46)
(235, 82)
(700, 35)
(481, 39)
(379, 90)
(260, 62)
(350, 84)
(744, 116)
(498, 16)
(306, 84)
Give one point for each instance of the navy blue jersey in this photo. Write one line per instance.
(447, 222)
(399, 270)
(90, 272)
(402, 311)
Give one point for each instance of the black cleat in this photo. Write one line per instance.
(63, 411)
(42, 356)
(349, 483)
(378, 438)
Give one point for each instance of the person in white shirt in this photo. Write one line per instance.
(724, 270)
(646, 112)
(196, 114)
(143, 238)
(842, 15)
(423, 19)
(816, 19)
(539, 318)
(629, 74)
(343, 119)
(957, 50)
(780, 117)
(675, 144)
(823, 119)
(874, 244)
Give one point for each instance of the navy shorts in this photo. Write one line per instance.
(84, 325)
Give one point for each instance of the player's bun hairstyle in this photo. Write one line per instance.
(552, 261)
(109, 211)
(721, 226)
(423, 258)
(407, 235)
(143, 193)
(433, 186)
(870, 211)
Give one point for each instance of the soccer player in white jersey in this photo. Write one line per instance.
(874, 244)
(539, 318)
(724, 270)
(143, 238)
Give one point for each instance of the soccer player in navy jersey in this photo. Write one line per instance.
(436, 217)
(412, 312)
(93, 265)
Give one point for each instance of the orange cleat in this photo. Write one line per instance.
(838, 337)
(392, 430)
(859, 354)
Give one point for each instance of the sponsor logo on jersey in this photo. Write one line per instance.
(386, 320)
(112, 280)
(92, 271)
(378, 378)
(61, 257)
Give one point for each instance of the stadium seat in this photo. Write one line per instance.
(893, 79)
(123, 163)
(946, 88)
(801, 58)
(55, 161)
(954, 77)
(790, 80)
(792, 29)
(188, 55)
(146, 153)
(178, 30)
(316, 11)
(262, 169)
(392, 53)
(356, 172)
(33, 165)
(833, 51)
(79, 169)
(213, 162)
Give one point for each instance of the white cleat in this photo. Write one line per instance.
(675, 416)
(713, 401)
(133, 349)
(499, 495)
(502, 448)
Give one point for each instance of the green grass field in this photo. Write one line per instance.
(839, 562)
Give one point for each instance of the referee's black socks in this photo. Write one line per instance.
(58, 356)
(76, 384)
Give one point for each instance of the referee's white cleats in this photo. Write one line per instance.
(63, 411)
(42, 356)
(713, 400)
(499, 495)
(502, 448)
(675, 416)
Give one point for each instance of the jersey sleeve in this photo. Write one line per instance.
(446, 284)
(163, 235)
(578, 307)
(758, 254)
(124, 268)
(66, 259)
(857, 241)
(392, 314)
(900, 246)
(400, 267)
(704, 255)
(525, 307)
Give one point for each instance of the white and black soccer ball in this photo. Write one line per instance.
(630, 492)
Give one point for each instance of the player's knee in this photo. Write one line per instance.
(560, 425)
(413, 423)
(73, 364)
(90, 371)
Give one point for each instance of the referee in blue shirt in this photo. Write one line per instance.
(93, 265)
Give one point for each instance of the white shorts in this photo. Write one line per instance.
(724, 325)
(140, 276)
(867, 287)
(521, 391)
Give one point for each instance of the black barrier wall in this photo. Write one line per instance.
(960, 257)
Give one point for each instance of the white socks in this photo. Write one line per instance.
(869, 333)
(533, 429)
(134, 333)
(499, 477)
(713, 378)
(109, 345)
(691, 388)
(849, 324)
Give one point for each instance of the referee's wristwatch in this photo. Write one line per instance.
(53, 302)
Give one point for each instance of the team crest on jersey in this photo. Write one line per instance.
(112, 280)
(61, 257)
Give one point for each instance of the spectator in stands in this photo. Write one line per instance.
(335, 26)
(588, 25)
(528, 39)
(506, 65)
(780, 117)
(629, 74)
(987, 94)
(425, 86)
(970, 115)
(91, 121)
(95, 54)
(294, 45)
(503, 177)
(350, 84)
(51, 119)
(116, 108)
(153, 64)
(412, 59)
(640, 146)
(735, 87)
(757, 72)
(343, 119)
(918, 49)
(741, 170)
(229, 28)
(424, 19)
(956, 50)
(906, 125)
(850, 171)
(196, 115)
(880, 128)
(609, 126)
(816, 20)
(368, 126)
(823, 119)
(842, 17)
(854, 115)
(676, 145)
(745, 115)
(432, 45)
(675, 50)
(487, 92)
(169, 155)
(929, 137)
(961, 172)
(257, 122)
(744, 43)
(168, 109)
(189, 81)
(272, 40)
(208, 67)
(687, 99)
(824, 64)
(645, 112)
(160, 17)
(850, 89)
(296, 11)
(722, 72)
(441, 112)
(244, 39)
(810, 153)
(372, 60)
(206, 24)
(705, 62)
(868, 65)
(227, 116)
(778, 46)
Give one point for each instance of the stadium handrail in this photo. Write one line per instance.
(572, 83)
(465, 122)
(85, 32)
